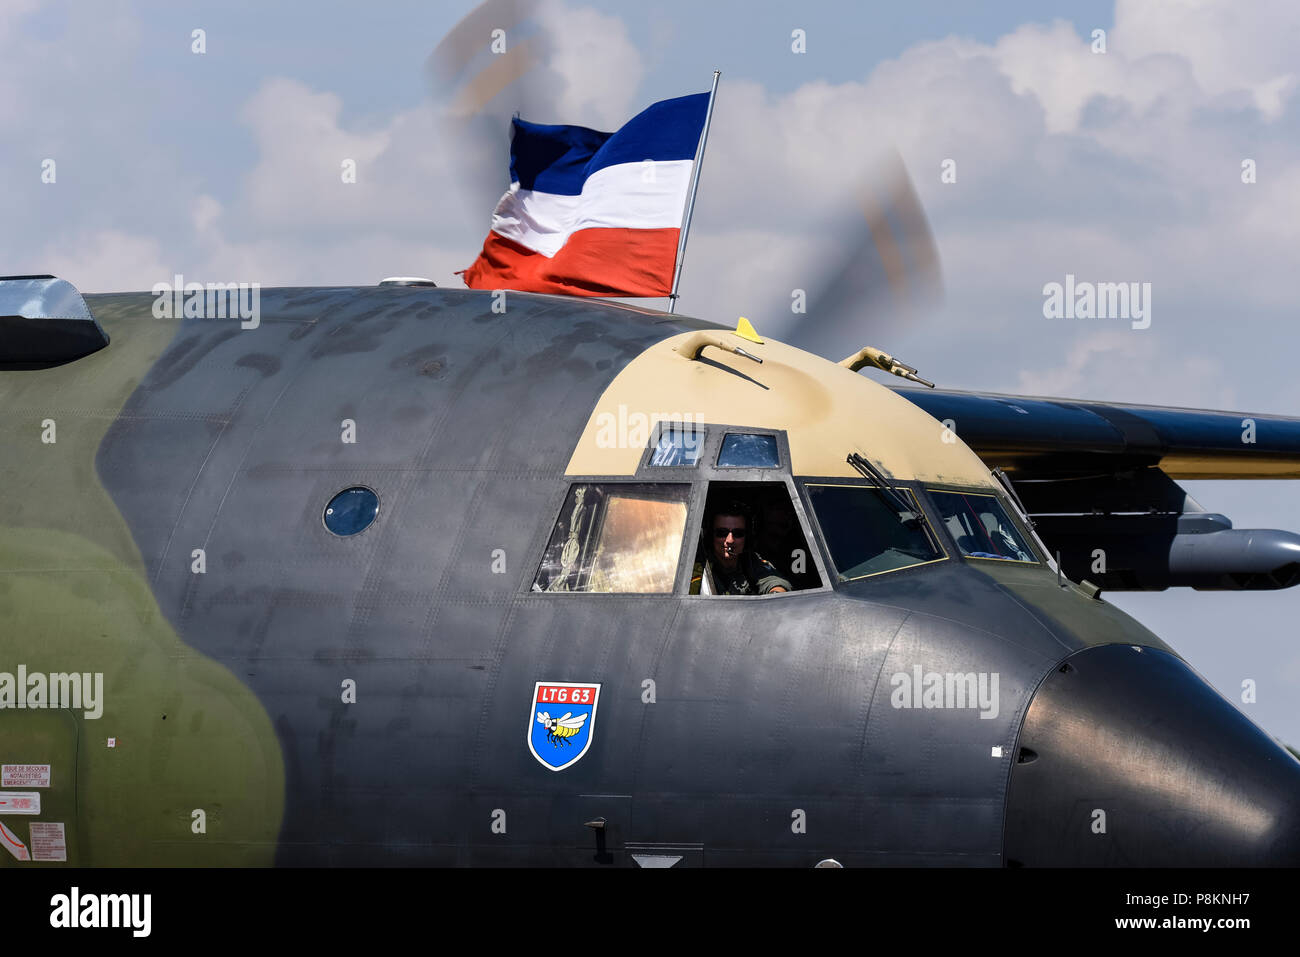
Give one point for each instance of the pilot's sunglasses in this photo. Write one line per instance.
(723, 532)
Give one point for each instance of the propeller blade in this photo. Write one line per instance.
(491, 66)
(883, 272)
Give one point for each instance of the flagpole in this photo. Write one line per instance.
(690, 202)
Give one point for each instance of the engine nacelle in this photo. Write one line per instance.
(1151, 553)
(1140, 531)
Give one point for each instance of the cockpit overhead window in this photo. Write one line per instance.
(867, 535)
(616, 538)
(980, 526)
(741, 450)
(678, 445)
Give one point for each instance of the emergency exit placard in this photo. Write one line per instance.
(25, 775)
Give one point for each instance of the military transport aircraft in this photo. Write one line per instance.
(400, 574)
(399, 577)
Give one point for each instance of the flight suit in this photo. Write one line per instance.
(753, 575)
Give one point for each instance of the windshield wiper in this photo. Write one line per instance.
(1005, 480)
(891, 496)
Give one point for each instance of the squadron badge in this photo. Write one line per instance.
(561, 722)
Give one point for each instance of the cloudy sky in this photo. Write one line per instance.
(1122, 166)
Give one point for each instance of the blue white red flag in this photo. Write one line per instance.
(591, 213)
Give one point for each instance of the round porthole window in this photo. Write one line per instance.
(351, 511)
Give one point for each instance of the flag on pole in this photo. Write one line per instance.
(591, 213)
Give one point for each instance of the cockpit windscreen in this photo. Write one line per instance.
(980, 526)
(866, 535)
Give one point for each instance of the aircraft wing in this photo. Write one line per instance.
(1098, 481)
(1041, 438)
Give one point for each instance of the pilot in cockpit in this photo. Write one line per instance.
(724, 566)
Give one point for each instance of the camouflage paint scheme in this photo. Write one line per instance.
(75, 594)
(224, 689)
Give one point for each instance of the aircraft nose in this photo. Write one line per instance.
(1128, 758)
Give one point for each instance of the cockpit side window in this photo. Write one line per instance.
(751, 543)
(616, 537)
(980, 526)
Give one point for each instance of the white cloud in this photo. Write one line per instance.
(15, 60)
(105, 261)
(1125, 365)
(1230, 47)
(1060, 70)
(205, 213)
(409, 167)
(299, 178)
(600, 67)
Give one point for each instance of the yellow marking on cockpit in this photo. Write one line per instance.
(745, 329)
(826, 410)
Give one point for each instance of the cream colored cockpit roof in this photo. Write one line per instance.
(826, 410)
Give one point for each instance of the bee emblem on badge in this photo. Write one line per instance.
(559, 730)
